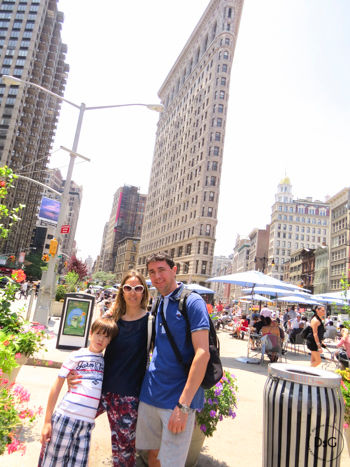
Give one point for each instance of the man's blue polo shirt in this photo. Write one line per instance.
(165, 378)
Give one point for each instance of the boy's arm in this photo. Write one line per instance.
(51, 403)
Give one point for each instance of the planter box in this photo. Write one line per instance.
(56, 309)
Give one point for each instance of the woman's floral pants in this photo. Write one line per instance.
(122, 416)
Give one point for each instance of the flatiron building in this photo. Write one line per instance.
(182, 202)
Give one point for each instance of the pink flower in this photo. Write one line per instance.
(346, 425)
(6, 343)
(18, 355)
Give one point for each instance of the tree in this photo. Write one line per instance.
(33, 267)
(75, 265)
(107, 278)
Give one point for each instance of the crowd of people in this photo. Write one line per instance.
(291, 325)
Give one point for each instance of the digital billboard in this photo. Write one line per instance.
(49, 210)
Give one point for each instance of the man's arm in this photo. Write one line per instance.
(51, 403)
(200, 341)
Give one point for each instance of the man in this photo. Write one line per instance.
(331, 331)
(296, 325)
(169, 396)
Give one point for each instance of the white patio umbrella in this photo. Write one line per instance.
(258, 297)
(274, 292)
(336, 295)
(324, 298)
(252, 279)
(298, 299)
(199, 289)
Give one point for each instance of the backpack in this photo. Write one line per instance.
(214, 371)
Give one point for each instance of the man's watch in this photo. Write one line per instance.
(184, 408)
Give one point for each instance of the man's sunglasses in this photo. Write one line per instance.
(137, 288)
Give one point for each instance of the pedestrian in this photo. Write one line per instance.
(169, 396)
(24, 289)
(315, 336)
(65, 436)
(125, 365)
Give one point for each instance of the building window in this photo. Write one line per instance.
(204, 267)
(222, 95)
(207, 230)
(188, 248)
(216, 151)
(206, 248)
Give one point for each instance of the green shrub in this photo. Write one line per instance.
(60, 293)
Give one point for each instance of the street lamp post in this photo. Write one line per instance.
(42, 309)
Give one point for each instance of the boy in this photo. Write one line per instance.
(65, 436)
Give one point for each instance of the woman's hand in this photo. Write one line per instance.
(73, 379)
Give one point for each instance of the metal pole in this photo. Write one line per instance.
(43, 303)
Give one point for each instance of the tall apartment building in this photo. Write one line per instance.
(339, 245)
(125, 221)
(295, 224)
(181, 209)
(258, 250)
(31, 49)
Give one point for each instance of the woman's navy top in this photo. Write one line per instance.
(126, 358)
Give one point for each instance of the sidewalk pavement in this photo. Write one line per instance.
(236, 442)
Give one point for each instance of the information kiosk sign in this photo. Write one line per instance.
(75, 321)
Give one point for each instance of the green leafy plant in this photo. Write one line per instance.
(7, 357)
(14, 413)
(345, 389)
(220, 402)
(60, 293)
(7, 216)
(72, 281)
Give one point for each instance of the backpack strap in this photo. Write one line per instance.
(150, 331)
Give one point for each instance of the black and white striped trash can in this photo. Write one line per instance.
(303, 417)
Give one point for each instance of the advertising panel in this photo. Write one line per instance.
(49, 210)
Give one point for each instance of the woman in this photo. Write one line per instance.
(274, 345)
(344, 355)
(315, 335)
(241, 327)
(125, 366)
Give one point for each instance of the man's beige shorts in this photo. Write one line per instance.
(152, 433)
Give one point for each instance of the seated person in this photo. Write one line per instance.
(297, 325)
(241, 326)
(273, 345)
(331, 331)
(344, 355)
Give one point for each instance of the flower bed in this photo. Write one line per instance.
(345, 389)
(220, 402)
(14, 413)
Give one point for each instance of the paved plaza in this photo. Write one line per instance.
(236, 442)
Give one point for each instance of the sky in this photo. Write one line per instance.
(288, 114)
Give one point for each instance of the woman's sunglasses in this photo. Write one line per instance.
(137, 288)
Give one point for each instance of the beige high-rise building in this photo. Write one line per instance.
(295, 224)
(181, 209)
(339, 245)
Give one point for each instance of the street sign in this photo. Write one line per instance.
(65, 229)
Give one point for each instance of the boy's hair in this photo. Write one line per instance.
(160, 257)
(106, 325)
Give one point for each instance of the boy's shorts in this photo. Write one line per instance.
(70, 443)
(152, 433)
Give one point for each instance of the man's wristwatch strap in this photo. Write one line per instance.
(184, 408)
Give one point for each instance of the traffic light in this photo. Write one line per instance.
(45, 258)
(53, 247)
